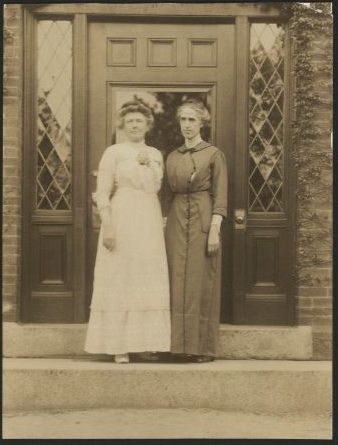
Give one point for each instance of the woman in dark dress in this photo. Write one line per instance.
(195, 202)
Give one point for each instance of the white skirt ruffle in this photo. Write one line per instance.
(132, 331)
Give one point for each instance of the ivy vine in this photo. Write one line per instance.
(8, 39)
(8, 35)
(311, 35)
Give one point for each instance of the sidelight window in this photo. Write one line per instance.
(266, 104)
(54, 115)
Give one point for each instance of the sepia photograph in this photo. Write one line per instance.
(167, 220)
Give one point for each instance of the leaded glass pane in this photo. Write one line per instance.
(54, 120)
(266, 100)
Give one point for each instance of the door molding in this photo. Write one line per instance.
(80, 191)
(240, 161)
(27, 160)
(210, 11)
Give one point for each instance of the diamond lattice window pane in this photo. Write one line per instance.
(257, 150)
(45, 178)
(266, 101)
(54, 120)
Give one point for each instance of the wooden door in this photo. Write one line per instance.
(162, 64)
(262, 213)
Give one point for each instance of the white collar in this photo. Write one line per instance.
(191, 143)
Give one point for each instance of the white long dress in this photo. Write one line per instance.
(130, 303)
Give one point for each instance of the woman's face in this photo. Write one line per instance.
(135, 126)
(190, 123)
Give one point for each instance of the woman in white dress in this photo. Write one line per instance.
(130, 303)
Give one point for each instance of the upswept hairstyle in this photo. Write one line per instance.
(134, 106)
(196, 105)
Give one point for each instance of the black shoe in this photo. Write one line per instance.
(147, 356)
(181, 358)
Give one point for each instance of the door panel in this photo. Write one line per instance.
(52, 274)
(264, 261)
(53, 265)
(162, 64)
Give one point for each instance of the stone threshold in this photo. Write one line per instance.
(235, 342)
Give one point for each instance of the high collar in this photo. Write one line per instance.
(191, 143)
(200, 146)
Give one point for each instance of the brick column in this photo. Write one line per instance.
(12, 156)
(314, 299)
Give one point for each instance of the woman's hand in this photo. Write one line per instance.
(213, 240)
(143, 158)
(108, 237)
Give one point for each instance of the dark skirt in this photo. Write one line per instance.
(195, 280)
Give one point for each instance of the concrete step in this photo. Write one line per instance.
(235, 342)
(130, 423)
(261, 386)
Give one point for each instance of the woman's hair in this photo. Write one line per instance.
(134, 106)
(196, 105)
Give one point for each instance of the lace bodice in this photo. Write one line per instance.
(119, 167)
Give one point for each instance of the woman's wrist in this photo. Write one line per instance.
(216, 221)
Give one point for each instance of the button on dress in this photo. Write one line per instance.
(130, 303)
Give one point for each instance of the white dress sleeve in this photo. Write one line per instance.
(156, 165)
(105, 178)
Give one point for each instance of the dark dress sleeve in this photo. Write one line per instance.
(167, 195)
(219, 184)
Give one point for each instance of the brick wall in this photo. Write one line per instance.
(12, 143)
(314, 299)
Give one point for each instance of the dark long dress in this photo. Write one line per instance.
(195, 188)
